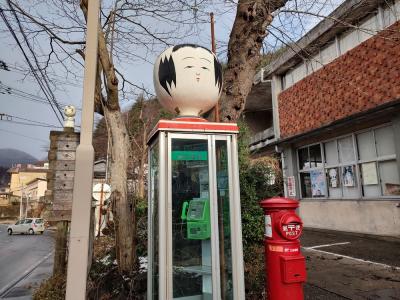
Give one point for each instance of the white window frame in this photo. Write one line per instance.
(356, 163)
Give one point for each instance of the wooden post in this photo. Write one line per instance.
(60, 255)
(213, 49)
(100, 208)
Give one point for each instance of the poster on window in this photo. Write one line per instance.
(348, 176)
(369, 173)
(333, 177)
(291, 186)
(317, 183)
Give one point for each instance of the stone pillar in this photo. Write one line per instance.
(60, 185)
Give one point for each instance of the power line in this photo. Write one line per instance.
(25, 136)
(28, 61)
(32, 124)
(10, 118)
(5, 89)
(3, 66)
(57, 78)
(24, 119)
(46, 84)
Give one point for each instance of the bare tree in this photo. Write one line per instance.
(244, 53)
(141, 119)
(125, 25)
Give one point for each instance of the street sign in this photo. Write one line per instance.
(101, 191)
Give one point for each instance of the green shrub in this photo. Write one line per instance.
(259, 179)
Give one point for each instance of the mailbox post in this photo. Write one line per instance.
(285, 265)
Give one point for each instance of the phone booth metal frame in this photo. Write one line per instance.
(162, 232)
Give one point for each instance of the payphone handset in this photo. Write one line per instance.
(196, 213)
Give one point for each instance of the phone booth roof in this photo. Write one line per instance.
(193, 125)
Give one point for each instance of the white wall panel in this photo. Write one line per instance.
(299, 72)
(288, 79)
(389, 14)
(348, 41)
(368, 28)
(314, 64)
(397, 9)
(328, 53)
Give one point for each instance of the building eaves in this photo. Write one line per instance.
(392, 107)
(349, 12)
(34, 180)
(26, 170)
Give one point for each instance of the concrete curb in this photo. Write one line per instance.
(7, 288)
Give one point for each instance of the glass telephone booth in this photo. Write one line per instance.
(195, 241)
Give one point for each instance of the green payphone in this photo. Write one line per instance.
(197, 214)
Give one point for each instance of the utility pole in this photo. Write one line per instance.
(27, 205)
(20, 203)
(82, 194)
(216, 108)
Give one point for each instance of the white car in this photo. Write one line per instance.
(28, 225)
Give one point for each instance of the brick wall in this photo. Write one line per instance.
(363, 78)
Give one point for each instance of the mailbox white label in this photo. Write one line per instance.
(268, 226)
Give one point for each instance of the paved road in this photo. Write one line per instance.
(19, 253)
(362, 247)
(347, 266)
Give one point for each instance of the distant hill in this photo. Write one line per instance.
(8, 157)
(4, 177)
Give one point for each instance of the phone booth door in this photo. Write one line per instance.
(200, 221)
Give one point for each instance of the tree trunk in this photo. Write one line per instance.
(141, 178)
(245, 42)
(142, 160)
(123, 212)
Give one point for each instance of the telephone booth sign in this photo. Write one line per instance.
(195, 240)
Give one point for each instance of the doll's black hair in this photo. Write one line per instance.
(166, 70)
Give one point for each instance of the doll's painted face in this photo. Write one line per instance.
(187, 79)
(195, 67)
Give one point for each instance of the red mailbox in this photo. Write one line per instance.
(285, 265)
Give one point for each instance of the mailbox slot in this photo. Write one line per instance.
(293, 269)
(290, 226)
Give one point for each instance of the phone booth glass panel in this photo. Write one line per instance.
(153, 194)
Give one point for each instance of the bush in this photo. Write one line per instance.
(141, 229)
(259, 179)
(52, 288)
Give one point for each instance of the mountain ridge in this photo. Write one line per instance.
(10, 156)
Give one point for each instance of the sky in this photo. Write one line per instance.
(16, 102)
(21, 97)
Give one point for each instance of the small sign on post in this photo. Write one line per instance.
(101, 192)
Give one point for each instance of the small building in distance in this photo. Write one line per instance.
(331, 112)
(22, 174)
(35, 189)
(5, 196)
(28, 183)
